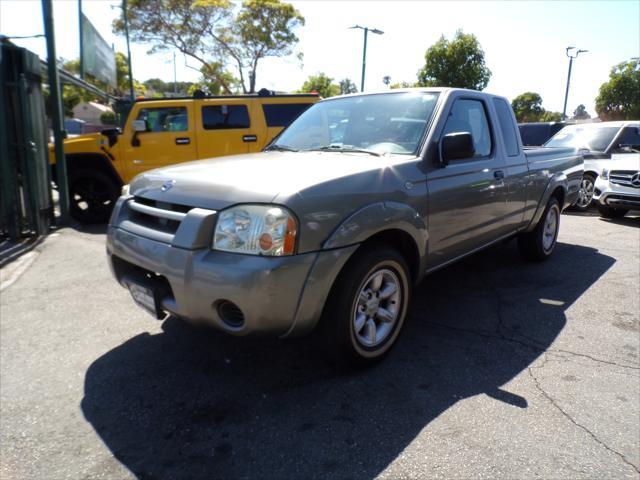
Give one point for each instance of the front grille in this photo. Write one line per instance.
(623, 177)
(161, 216)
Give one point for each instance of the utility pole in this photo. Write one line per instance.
(56, 111)
(364, 50)
(81, 30)
(175, 76)
(126, 33)
(566, 93)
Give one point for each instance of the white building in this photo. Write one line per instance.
(90, 111)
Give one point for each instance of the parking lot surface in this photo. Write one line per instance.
(506, 369)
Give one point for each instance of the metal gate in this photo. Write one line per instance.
(26, 207)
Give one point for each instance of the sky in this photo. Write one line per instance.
(524, 42)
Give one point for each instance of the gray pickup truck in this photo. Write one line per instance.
(332, 224)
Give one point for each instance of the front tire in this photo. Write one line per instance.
(92, 195)
(585, 193)
(608, 212)
(367, 306)
(539, 243)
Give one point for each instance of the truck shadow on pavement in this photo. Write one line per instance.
(188, 403)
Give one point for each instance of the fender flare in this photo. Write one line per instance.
(376, 218)
(97, 161)
(558, 180)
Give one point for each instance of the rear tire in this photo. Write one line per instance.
(608, 212)
(538, 244)
(92, 195)
(367, 306)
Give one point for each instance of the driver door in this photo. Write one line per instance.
(168, 139)
(467, 198)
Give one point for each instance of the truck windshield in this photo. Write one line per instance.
(389, 123)
(595, 139)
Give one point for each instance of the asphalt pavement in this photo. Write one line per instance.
(506, 369)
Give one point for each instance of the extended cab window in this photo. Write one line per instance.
(470, 116)
(282, 114)
(220, 117)
(165, 119)
(507, 126)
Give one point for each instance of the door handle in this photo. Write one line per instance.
(183, 141)
(499, 175)
(249, 138)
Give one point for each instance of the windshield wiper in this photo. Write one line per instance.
(281, 148)
(332, 148)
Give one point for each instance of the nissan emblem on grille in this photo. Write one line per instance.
(635, 180)
(167, 185)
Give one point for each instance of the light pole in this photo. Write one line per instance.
(364, 50)
(126, 32)
(566, 94)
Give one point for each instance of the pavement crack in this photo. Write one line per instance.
(572, 420)
(597, 360)
(500, 336)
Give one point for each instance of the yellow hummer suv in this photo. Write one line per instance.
(160, 132)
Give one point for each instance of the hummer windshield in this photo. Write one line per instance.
(389, 123)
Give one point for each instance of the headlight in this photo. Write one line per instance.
(125, 190)
(256, 230)
(605, 174)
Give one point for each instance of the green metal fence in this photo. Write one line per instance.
(26, 206)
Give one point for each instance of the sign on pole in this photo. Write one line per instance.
(98, 58)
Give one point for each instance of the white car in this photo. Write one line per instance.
(597, 142)
(617, 188)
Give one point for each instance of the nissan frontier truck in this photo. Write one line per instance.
(330, 226)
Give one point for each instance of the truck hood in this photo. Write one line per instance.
(254, 178)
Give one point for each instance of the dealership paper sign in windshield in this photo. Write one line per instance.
(98, 57)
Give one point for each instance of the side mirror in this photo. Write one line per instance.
(139, 126)
(456, 146)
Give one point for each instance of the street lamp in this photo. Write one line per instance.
(566, 94)
(364, 50)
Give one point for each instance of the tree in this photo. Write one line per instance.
(321, 84)
(580, 113)
(403, 85)
(550, 116)
(215, 34)
(619, 98)
(347, 86)
(122, 78)
(456, 63)
(527, 107)
(70, 98)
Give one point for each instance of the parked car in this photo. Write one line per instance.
(617, 188)
(535, 134)
(597, 142)
(165, 131)
(320, 232)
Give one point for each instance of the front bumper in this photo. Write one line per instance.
(281, 296)
(616, 196)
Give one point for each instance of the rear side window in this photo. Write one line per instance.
(470, 116)
(506, 126)
(221, 117)
(282, 114)
(165, 119)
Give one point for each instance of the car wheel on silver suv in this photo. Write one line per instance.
(367, 306)
(585, 194)
(539, 243)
